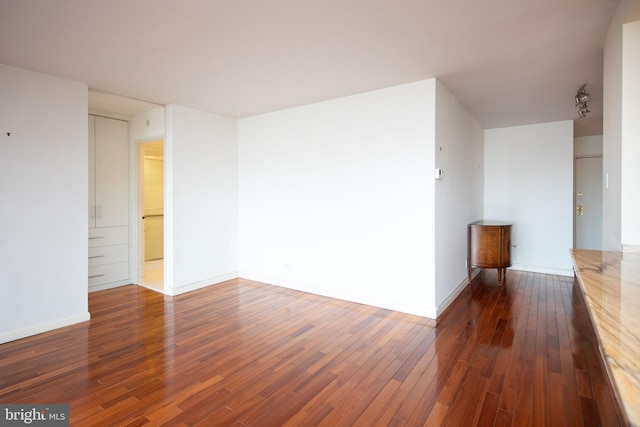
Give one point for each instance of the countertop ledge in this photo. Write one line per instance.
(610, 283)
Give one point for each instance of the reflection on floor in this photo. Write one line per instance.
(154, 275)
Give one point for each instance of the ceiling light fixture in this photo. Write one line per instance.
(581, 102)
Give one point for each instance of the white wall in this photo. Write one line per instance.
(621, 129)
(630, 175)
(612, 132)
(43, 203)
(201, 199)
(148, 125)
(529, 182)
(337, 198)
(585, 146)
(459, 194)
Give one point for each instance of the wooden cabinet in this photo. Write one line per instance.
(489, 246)
(108, 202)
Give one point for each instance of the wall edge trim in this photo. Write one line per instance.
(43, 327)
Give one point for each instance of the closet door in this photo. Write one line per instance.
(92, 172)
(111, 172)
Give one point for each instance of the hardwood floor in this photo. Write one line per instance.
(246, 353)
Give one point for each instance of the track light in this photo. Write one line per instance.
(582, 113)
(581, 99)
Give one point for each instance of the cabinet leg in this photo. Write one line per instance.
(469, 275)
(499, 275)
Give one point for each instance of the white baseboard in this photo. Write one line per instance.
(542, 269)
(454, 294)
(342, 295)
(109, 285)
(631, 249)
(43, 327)
(200, 284)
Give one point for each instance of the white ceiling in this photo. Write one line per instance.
(510, 62)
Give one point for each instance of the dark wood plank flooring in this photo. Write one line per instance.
(245, 353)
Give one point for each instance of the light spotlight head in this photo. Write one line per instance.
(581, 99)
(582, 112)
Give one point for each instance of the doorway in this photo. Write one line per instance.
(152, 215)
(588, 203)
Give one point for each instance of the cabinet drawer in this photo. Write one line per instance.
(100, 274)
(108, 236)
(102, 255)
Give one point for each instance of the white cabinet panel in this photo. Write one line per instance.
(111, 172)
(108, 273)
(108, 255)
(92, 172)
(108, 236)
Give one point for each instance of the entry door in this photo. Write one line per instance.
(588, 203)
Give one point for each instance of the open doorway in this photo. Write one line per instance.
(152, 215)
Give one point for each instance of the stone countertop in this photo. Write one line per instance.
(610, 282)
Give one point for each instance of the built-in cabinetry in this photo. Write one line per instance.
(489, 246)
(108, 202)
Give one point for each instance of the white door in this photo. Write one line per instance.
(588, 203)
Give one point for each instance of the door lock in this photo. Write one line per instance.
(579, 210)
